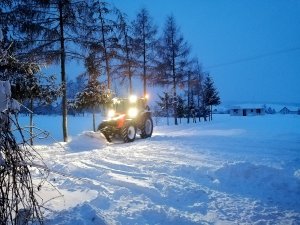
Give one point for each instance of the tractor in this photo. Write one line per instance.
(126, 118)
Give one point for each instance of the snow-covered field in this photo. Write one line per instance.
(233, 170)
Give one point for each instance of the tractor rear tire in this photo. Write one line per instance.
(147, 127)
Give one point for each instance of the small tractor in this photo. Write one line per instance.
(126, 118)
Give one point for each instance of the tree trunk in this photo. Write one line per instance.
(31, 121)
(189, 100)
(107, 67)
(129, 63)
(174, 80)
(167, 110)
(130, 85)
(144, 62)
(63, 73)
(94, 121)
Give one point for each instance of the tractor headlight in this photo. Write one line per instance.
(132, 112)
(133, 99)
(111, 113)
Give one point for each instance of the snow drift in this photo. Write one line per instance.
(229, 171)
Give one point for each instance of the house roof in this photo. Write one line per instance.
(279, 107)
(247, 106)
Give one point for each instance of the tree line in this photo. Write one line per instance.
(112, 48)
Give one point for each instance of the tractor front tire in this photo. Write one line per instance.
(128, 132)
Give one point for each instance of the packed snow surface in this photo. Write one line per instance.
(232, 170)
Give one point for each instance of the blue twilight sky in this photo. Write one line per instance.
(250, 47)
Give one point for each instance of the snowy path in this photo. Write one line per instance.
(219, 173)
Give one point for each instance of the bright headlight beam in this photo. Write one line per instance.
(111, 113)
(132, 112)
(133, 98)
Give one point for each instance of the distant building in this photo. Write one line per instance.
(285, 110)
(290, 110)
(247, 111)
(220, 110)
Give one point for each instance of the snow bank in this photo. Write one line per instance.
(84, 214)
(297, 174)
(86, 141)
(267, 184)
(232, 170)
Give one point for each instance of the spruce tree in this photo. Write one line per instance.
(94, 94)
(210, 95)
(92, 97)
(180, 110)
(165, 104)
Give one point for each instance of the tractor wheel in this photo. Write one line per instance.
(147, 127)
(128, 132)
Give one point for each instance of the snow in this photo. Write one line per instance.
(233, 170)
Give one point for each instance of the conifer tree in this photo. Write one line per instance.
(28, 83)
(180, 108)
(18, 199)
(196, 83)
(210, 95)
(101, 37)
(127, 60)
(145, 41)
(165, 104)
(92, 97)
(48, 31)
(95, 94)
(173, 54)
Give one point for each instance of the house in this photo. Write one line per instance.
(220, 110)
(285, 110)
(247, 110)
(290, 110)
